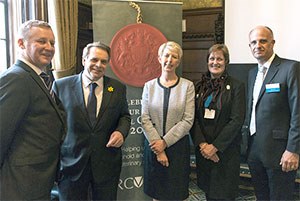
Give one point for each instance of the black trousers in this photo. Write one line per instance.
(270, 183)
(85, 188)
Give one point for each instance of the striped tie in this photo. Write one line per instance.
(48, 83)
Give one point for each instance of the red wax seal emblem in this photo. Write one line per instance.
(134, 53)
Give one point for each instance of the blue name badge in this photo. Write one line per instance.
(273, 88)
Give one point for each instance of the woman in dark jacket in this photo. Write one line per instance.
(219, 116)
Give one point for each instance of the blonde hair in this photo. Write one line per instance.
(26, 26)
(172, 45)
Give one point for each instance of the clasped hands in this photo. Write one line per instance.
(209, 151)
(158, 147)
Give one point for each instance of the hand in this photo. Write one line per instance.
(215, 158)
(208, 150)
(289, 161)
(158, 146)
(116, 140)
(163, 159)
(202, 145)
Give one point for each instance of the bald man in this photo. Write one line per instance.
(273, 119)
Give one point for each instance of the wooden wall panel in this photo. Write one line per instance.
(202, 27)
(85, 32)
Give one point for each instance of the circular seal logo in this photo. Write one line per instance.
(134, 53)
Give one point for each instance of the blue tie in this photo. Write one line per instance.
(92, 103)
(48, 82)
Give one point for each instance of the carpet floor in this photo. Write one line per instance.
(246, 192)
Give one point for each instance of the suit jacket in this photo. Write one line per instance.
(228, 120)
(32, 129)
(224, 133)
(180, 116)
(277, 113)
(84, 141)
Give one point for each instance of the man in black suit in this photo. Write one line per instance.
(91, 155)
(273, 119)
(32, 124)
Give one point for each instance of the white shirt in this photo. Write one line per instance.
(268, 64)
(35, 68)
(98, 91)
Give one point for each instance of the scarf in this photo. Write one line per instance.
(211, 86)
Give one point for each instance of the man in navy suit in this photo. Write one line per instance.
(91, 156)
(32, 124)
(273, 119)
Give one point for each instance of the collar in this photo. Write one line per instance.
(269, 62)
(35, 68)
(86, 81)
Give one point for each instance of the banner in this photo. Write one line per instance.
(134, 66)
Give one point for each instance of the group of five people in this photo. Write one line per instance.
(73, 131)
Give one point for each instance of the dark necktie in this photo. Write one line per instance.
(47, 80)
(48, 83)
(92, 103)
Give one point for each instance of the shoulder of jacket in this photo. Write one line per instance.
(113, 81)
(68, 78)
(186, 80)
(151, 82)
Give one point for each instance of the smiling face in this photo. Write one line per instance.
(38, 46)
(261, 43)
(169, 60)
(216, 63)
(95, 63)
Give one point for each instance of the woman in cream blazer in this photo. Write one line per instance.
(167, 117)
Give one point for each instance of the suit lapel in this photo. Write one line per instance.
(270, 75)
(41, 84)
(79, 97)
(252, 77)
(106, 97)
(226, 97)
(37, 79)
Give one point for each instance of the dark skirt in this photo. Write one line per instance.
(219, 180)
(168, 183)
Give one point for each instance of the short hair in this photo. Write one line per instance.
(24, 29)
(270, 31)
(98, 44)
(219, 47)
(172, 45)
(261, 26)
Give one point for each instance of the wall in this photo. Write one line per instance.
(281, 16)
(86, 2)
(204, 27)
(195, 4)
(201, 32)
(187, 4)
(85, 33)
